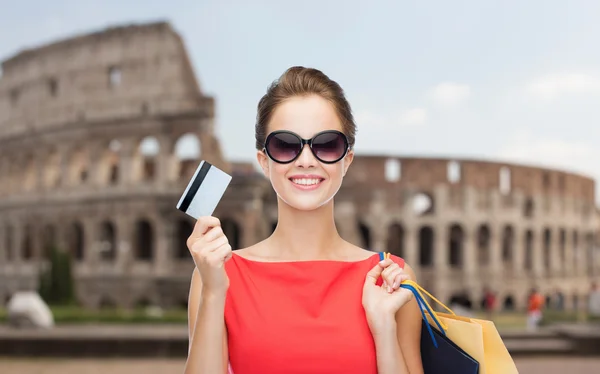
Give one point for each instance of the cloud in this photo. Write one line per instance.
(404, 118)
(578, 157)
(554, 85)
(450, 94)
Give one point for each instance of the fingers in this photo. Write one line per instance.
(393, 276)
(374, 273)
(202, 226)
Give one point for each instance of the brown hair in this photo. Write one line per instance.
(301, 81)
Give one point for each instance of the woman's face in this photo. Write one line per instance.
(294, 182)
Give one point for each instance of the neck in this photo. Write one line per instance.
(305, 235)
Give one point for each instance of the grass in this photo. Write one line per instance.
(74, 315)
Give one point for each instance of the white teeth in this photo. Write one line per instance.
(305, 181)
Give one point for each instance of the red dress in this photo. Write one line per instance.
(299, 317)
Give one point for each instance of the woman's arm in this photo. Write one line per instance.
(398, 340)
(207, 352)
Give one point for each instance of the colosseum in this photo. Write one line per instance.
(100, 134)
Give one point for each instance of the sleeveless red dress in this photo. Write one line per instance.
(299, 317)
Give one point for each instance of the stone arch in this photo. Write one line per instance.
(508, 239)
(29, 173)
(484, 237)
(52, 170)
(27, 243)
(146, 158)
(547, 248)
(509, 303)
(395, 239)
(426, 242)
(365, 235)
(108, 241)
(187, 152)
(233, 232)
(79, 164)
(562, 248)
(184, 230)
(456, 245)
(76, 241)
(144, 240)
(529, 242)
(423, 203)
(110, 162)
(575, 252)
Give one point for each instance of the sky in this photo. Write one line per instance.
(508, 80)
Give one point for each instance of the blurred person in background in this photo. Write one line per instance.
(535, 303)
(303, 300)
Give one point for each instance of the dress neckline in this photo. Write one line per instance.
(306, 261)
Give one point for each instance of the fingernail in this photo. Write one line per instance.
(389, 289)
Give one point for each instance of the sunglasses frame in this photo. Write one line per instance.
(310, 145)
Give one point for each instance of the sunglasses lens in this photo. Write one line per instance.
(283, 147)
(329, 146)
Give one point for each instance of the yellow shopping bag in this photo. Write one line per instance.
(479, 338)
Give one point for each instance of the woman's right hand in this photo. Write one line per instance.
(210, 249)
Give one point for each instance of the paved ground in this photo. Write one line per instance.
(542, 365)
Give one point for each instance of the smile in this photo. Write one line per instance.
(306, 183)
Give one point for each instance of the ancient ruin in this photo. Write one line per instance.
(91, 160)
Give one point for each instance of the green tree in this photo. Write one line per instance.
(56, 282)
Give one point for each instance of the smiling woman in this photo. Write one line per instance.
(260, 309)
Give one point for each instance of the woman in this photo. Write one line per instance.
(303, 300)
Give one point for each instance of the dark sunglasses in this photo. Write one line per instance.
(328, 146)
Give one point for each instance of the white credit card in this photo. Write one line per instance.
(205, 190)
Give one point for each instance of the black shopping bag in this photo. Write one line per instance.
(439, 354)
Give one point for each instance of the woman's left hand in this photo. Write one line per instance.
(382, 302)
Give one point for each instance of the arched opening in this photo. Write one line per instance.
(589, 252)
(29, 179)
(365, 235)
(563, 249)
(27, 249)
(148, 151)
(453, 172)
(144, 244)
(423, 204)
(508, 237)
(108, 242)
(109, 166)
(426, 237)
(395, 239)
(483, 245)
(76, 242)
(184, 230)
(49, 240)
(187, 151)
(456, 238)
(528, 208)
(547, 248)
(79, 166)
(575, 254)
(232, 231)
(106, 302)
(52, 170)
(528, 263)
(509, 303)
(462, 299)
(8, 244)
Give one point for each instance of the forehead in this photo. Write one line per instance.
(305, 116)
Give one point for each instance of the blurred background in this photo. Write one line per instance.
(477, 146)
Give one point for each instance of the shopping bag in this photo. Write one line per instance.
(477, 338)
(439, 354)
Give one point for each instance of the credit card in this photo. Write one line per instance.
(205, 190)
